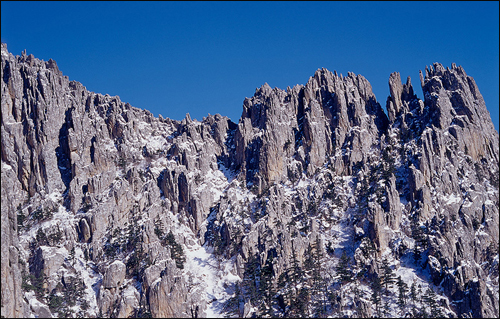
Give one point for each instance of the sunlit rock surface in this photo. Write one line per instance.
(298, 210)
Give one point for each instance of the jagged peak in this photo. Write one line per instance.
(311, 164)
(437, 69)
(324, 77)
(401, 95)
(461, 91)
(322, 72)
(351, 74)
(263, 90)
(449, 75)
(5, 52)
(187, 119)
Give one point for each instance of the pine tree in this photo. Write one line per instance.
(316, 273)
(418, 234)
(159, 230)
(309, 262)
(231, 306)
(176, 250)
(413, 292)
(414, 298)
(318, 252)
(284, 298)
(72, 255)
(376, 289)
(388, 276)
(298, 303)
(343, 268)
(299, 308)
(266, 289)
(356, 291)
(250, 275)
(86, 254)
(296, 272)
(319, 287)
(386, 308)
(402, 291)
(430, 300)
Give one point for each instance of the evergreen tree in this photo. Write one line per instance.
(343, 268)
(356, 291)
(318, 252)
(402, 291)
(414, 298)
(296, 272)
(309, 262)
(250, 277)
(266, 289)
(299, 307)
(284, 297)
(311, 270)
(176, 250)
(386, 308)
(413, 292)
(418, 234)
(376, 289)
(430, 300)
(231, 306)
(319, 290)
(159, 230)
(72, 255)
(388, 276)
(86, 254)
(316, 258)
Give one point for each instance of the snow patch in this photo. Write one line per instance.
(203, 268)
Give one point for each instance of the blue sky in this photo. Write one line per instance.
(206, 57)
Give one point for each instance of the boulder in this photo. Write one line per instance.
(115, 275)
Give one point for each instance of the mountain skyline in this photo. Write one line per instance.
(154, 55)
(311, 178)
(315, 204)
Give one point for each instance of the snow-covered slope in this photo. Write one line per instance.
(316, 204)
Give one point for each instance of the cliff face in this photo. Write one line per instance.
(298, 210)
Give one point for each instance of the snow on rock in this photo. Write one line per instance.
(214, 276)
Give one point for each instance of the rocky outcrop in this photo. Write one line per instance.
(114, 275)
(170, 297)
(439, 178)
(281, 133)
(317, 174)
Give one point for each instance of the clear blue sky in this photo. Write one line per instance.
(206, 57)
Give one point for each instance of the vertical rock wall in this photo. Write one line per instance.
(117, 191)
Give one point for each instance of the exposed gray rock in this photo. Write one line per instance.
(47, 260)
(114, 276)
(39, 309)
(129, 302)
(309, 174)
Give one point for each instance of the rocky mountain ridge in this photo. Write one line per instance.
(313, 204)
